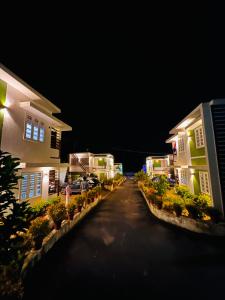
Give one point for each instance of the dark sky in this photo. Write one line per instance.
(125, 88)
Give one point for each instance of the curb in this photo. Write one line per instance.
(186, 223)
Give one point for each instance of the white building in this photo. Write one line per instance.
(30, 131)
(86, 163)
(159, 165)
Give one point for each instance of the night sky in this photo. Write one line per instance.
(123, 90)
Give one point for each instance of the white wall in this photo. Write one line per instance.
(13, 136)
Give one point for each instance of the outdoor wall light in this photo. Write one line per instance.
(2, 107)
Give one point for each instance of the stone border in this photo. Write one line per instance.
(186, 223)
(49, 241)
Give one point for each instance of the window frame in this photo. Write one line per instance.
(32, 185)
(204, 182)
(199, 137)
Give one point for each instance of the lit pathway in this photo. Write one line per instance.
(123, 250)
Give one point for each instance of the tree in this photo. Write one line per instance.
(161, 185)
(15, 215)
(141, 176)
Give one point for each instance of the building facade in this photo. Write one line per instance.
(198, 144)
(86, 163)
(30, 131)
(159, 165)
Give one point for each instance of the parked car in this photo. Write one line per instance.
(75, 188)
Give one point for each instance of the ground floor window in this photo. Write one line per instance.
(204, 182)
(183, 176)
(30, 185)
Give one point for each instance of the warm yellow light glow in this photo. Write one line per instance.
(185, 123)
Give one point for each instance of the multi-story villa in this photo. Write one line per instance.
(159, 165)
(199, 145)
(30, 131)
(85, 163)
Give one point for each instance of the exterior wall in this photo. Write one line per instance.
(3, 88)
(27, 151)
(157, 166)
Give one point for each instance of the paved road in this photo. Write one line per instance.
(122, 250)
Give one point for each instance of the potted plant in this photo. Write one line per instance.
(71, 209)
(80, 202)
(58, 213)
(39, 229)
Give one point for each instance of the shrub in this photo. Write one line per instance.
(140, 176)
(177, 209)
(214, 214)
(193, 211)
(183, 191)
(168, 206)
(71, 209)
(98, 190)
(204, 200)
(39, 229)
(40, 207)
(91, 194)
(80, 201)
(58, 213)
(161, 185)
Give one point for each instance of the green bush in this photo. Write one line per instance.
(183, 191)
(40, 208)
(204, 200)
(72, 206)
(39, 229)
(177, 209)
(140, 176)
(161, 185)
(58, 213)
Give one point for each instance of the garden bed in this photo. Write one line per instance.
(185, 222)
(36, 255)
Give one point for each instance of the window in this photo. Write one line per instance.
(204, 182)
(181, 146)
(183, 176)
(55, 139)
(41, 134)
(34, 130)
(199, 137)
(28, 130)
(30, 185)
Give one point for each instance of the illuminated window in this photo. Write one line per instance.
(41, 134)
(199, 137)
(30, 185)
(28, 130)
(35, 132)
(183, 176)
(181, 146)
(204, 182)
